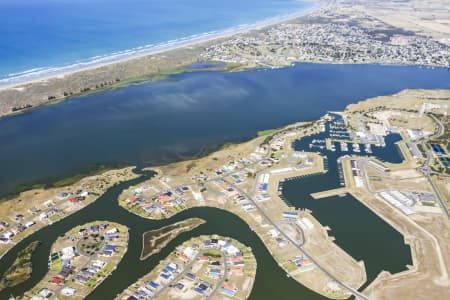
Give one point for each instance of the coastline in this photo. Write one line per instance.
(171, 172)
(328, 32)
(156, 64)
(139, 52)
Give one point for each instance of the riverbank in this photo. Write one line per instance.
(145, 65)
(21, 269)
(231, 179)
(155, 240)
(35, 209)
(234, 178)
(205, 266)
(262, 45)
(82, 259)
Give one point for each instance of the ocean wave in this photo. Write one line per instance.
(121, 55)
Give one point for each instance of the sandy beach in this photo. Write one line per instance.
(331, 31)
(42, 74)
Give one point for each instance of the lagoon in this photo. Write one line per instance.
(187, 115)
(159, 122)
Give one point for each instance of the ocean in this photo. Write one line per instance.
(39, 35)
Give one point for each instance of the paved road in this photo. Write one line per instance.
(187, 268)
(298, 246)
(304, 252)
(176, 278)
(426, 170)
(222, 280)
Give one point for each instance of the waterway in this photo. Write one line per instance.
(271, 281)
(164, 121)
(160, 122)
(364, 235)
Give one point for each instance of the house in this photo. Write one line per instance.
(107, 253)
(57, 280)
(8, 234)
(290, 215)
(228, 290)
(231, 250)
(68, 291)
(183, 257)
(49, 203)
(29, 224)
(68, 253)
(142, 293)
(131, 199)
(63, 195)
(188, 251)
(179, 285)
(99, 263)
(65, 272)
(45, 292)
(153, 284)
(214, 273)
(173, 267)
(202, 287)
(236, 261)
(203, 258)
(81, 278)
(17, 228)
(273, 233)
(281, 242)
(237, 271)
(110, 248)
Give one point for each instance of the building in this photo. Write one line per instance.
(290, 215)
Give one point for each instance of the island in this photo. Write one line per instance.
(81, 259)
(37, 208)
(390, 154)
(21, 268)
(211, 267)
(247, 179)
(154, 241)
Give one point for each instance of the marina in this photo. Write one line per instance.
(185, 136)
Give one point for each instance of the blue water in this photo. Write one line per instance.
(159, 122)
(44, 33)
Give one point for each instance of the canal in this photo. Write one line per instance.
(190, 114)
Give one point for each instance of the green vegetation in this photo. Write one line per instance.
(131, 80)
(155, 240)
(266, 132)
(213, 253)
(21, 268)
(90, 245)
(94, 169)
